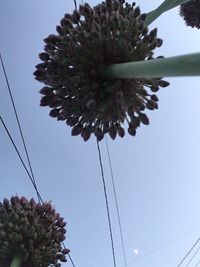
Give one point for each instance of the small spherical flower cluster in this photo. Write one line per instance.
(190, 11)
(34, 229)
(87, 42)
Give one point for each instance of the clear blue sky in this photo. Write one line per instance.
(157, 173)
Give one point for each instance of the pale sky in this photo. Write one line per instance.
(157, 173)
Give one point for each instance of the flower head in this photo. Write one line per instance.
(190, 11)
(87, 42)
(34, 229)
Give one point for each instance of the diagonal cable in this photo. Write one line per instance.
(20, 157)
(107, 207)
(193, 256)
(17, 119)
(75, 4)
(116, 202)
(189, 252)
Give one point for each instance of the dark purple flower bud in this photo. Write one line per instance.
(40, 74)
(143, 118)
(41, 66)
(54, 113)
(153, 33)
(151, 105)
(137, 12)
(85, 133)
(65, 251)
(63, 258)
(59, 29)
(112, 132)
(44, 56)
(6, 203)
(99, 134)
(66, 22)
(159, 42)
(131, 130)
(52, 39)
(46, 90)
(45, 101)
(72, 121)
(154, 88)
(76, 130)
(135, 121)
(143, 17)
(120, 131)
(163, 83)
(154, 98)
(76, 16)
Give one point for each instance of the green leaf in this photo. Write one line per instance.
(185, 65)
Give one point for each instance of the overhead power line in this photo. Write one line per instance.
(75, 4)
(20, 157)
(162, 246)
(17, 119)
(106, 200)
(188, 253)
(116, 201)
(193, 256)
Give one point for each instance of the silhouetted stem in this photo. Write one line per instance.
(165, 6)
(185, 65)
(17, 260)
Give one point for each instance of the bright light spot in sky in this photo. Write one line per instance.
(136, 251)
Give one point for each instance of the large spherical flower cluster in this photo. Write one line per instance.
(190, 11)
(34, 229)
(89, 40)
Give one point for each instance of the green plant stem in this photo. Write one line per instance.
(165, 6)
(17, 260)
(185, 65)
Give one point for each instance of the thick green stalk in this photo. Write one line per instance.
(17, 260)
(165, 6)
(185, 65)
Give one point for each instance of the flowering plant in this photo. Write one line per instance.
(31, 234)
(100, 72)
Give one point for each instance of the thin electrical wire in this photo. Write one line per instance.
(193, 256)
(163, 245)
(20, 157)
(188, 253)
(69, 256)
(107, 206)
(34, 185)
(71, 260)
(75, 4)
(116, 201)
(17, 119)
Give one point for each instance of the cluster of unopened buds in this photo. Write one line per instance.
(89, 40)
(190, 11)
(34, 229)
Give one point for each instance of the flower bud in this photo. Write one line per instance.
(143, 118)
(44, 56)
